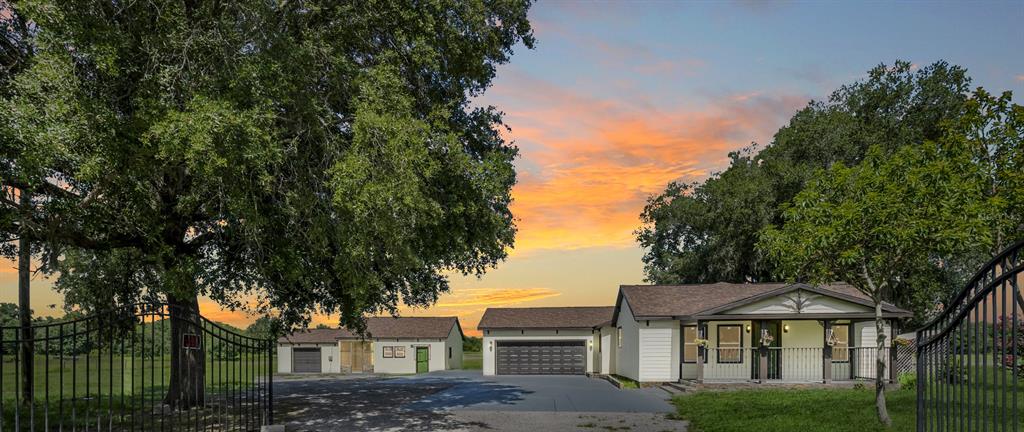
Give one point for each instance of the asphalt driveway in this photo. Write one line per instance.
(465, 400)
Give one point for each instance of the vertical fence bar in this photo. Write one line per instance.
(3, 352)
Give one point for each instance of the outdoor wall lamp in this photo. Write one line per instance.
(785, 328)
(748, 328)
(490, 345)
(590, 344)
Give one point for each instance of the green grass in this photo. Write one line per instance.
(110, 382)
(839, 410)
(472, 360)
(627, 383)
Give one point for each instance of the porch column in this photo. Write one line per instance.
(762, 369)
(702, 333)
(826, 358)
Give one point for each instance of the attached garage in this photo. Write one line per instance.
(306, 360)
(543, 341)
(541, 357)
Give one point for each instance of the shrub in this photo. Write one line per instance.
(908, 380)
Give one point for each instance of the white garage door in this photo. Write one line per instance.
(306, 360)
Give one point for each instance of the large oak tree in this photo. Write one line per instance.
(303, 155)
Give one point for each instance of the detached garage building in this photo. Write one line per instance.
(403, 345)
(544, 341)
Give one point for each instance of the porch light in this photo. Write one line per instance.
(590, 344)
(490, 345)
(785, 328)
(748, 328)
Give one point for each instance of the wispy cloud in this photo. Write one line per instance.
(589, 163)
(496, 297)
(1020, 77)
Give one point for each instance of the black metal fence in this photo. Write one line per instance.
(120, 371)
(971, 357)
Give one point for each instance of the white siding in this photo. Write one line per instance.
(715, 370)
(491, 337)
(454, 343)
(330, 361)
(284, 359)
(606, 347)
(811, 303)
(627, 356)
(803, 360)
(437, 355)
(865, 338)
(659, 358)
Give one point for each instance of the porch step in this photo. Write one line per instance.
(679, 387)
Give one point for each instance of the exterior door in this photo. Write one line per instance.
(774, 355)
(422, 359)
(306, 360)
(541, 358)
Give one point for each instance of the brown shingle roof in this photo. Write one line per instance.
(690, 300)
(546, 317)
(311, 336)
(405, 328)
(380, 327)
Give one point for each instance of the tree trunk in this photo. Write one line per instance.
(24, 310)
(188, 371)
(883, 412)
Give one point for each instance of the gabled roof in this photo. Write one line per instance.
(314, 335)
(382, 328)
(584, 317)
(695, 300)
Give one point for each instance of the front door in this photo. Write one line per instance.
(774, 355)
(422, 359)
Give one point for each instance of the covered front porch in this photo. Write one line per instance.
(772, 349)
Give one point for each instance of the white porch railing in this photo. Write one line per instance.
(790, 364)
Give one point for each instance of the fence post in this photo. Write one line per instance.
(826, 358)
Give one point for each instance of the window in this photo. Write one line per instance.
(620, 337)
(449, 352)
(730, 344)
(841, 350)
(689, 344)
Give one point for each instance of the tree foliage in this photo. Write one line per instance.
(706, 232)
(314, 156)
(876, 225)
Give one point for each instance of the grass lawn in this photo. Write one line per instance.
(838, 410)
(627, 383)
(472, 360)
(107, 380)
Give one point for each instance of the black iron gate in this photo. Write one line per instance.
(113, 371)
(969, 358)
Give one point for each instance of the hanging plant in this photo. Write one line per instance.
(703, 343)
(830, 338)
(766, 338)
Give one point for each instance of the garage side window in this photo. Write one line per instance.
(449, 352)
(690, 344)
(730, 344)
(619, 336)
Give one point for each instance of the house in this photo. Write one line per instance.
(392, 345)
(723, 332)
(543, 341)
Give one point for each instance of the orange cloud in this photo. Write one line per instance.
(589, 164)
(496, 297)
(1020, 77)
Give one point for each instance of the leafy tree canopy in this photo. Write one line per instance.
(316, 156)
(707, 232)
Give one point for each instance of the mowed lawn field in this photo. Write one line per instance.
(472, 360)
(838, 410)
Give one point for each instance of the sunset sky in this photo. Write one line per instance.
(617, 100)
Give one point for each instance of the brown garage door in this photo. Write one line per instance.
(541, 358)
(306, 360)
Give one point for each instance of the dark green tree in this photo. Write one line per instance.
(876, 224)
(308, 156)
(706, 232)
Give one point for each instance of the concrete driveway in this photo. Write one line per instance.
(465, 400)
